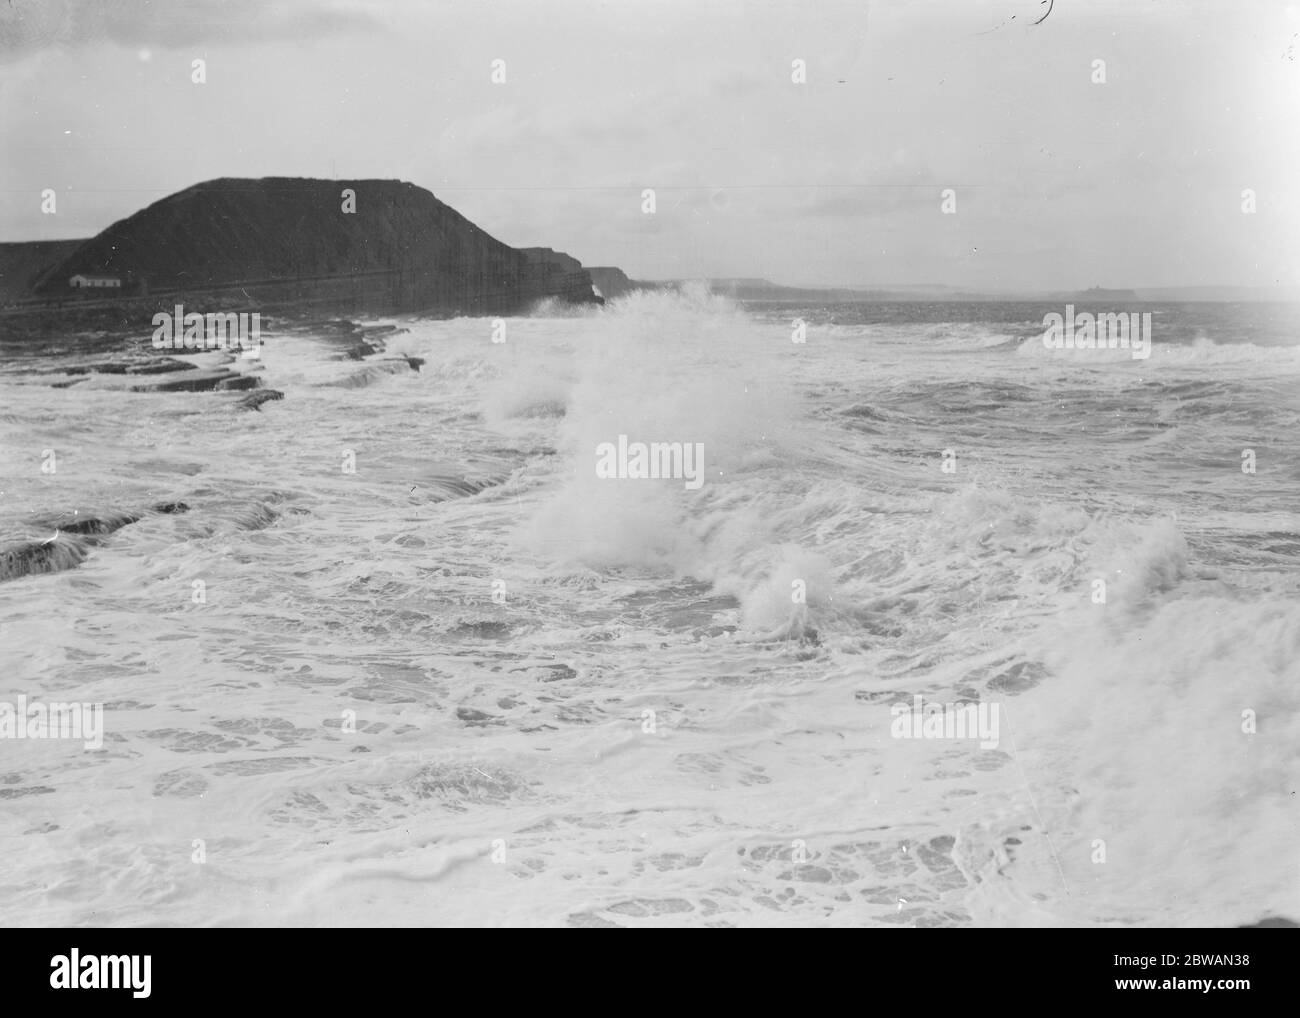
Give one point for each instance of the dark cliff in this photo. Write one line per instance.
(612, 282)
(281, 240)
(560, 274)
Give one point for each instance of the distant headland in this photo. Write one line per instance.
(320, 248)
(284, 243)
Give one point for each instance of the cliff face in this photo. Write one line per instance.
(559, 275)
(287, 240)
(611, 282)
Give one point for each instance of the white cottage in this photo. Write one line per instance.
(81, 282)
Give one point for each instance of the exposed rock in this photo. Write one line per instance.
(97, 525)
(152, 366)
(476, 717)
(177, 376)
(255, 399)
(158, 367)
(200, 380)
(357, 352)
(74, 536)
(50, 556)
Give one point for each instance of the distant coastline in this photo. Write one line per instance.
(286, 244)
(311, 247)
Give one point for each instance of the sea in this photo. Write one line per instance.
(398, 654)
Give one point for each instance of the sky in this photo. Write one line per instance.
(1058, 179)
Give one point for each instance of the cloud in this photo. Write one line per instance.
(34, 26)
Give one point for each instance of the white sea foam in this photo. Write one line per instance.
(561, 699)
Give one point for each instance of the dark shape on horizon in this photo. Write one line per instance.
(287, 242)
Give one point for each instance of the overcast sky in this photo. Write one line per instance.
(1060, 182)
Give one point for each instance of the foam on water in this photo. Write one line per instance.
(645, 726)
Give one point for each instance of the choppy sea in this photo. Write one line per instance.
(407, 660)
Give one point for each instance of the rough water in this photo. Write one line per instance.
(470, 682)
